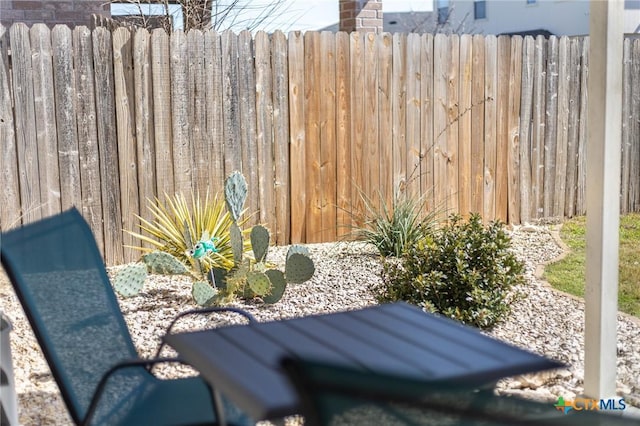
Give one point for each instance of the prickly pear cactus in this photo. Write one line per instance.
(278, 286)
(130, 279)
(297, 248)
(235, 238)
(160, 262)
(259, 283)
(235, 194)
(298, 268)
(259, 242)
(203, 293)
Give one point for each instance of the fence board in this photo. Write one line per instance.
(214, 133)
(197, 112)
(464, 125)
(490, 133)
(538, 127)
(125, 125)
(477, 123)
(247, 103)
(328, 145)
(182, 154)
(297, 135)
(573, 128)
(357, 124)
(264, 126)
(562, 126)
(162, 128)
(44, 109)
(441, 55)
(88, 133)
(425, 173)
(513, 149)
(582, 136)
(313, 138)
(634, 164)
(385, 108)
(453, 115)
(371, 142)
(108, 145)
(65, 91)
(399, 106)
(10, 194)
(413, 114)
(343, 136)
(502, 127)
(626, 123)
(25, 121)
(551, 127)
(526, 111)
(281, 137)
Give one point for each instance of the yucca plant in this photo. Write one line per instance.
(177, 225)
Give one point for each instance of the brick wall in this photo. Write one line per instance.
(361, 15)
(52, 12)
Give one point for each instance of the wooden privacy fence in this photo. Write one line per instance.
(106, 120)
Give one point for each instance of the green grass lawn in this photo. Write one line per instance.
(569, 274)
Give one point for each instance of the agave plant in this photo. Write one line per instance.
(178, 225)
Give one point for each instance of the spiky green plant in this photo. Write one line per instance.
(175, 221)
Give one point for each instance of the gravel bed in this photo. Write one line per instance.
(546, 321)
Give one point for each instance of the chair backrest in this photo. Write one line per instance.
(59, 276)
(335, 395)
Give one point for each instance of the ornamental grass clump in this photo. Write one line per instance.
(463, 270)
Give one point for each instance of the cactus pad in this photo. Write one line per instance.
(278, 286)
(298, 268)
(297, 248)
(218, 278)
(259, 242)
(203, 293)
(235, 194)
(259, 283)
(235, 238)
(159, 262)
(130, 279)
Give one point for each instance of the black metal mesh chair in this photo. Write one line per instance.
(59, 276)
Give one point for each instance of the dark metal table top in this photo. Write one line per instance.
(243, 362)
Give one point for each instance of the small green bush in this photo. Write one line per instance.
(464, 271)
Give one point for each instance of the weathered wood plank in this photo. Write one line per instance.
(464, 125)
(328, 142)
(279, 64)
(25, 122)
(10, 194)
(634, 164)
(581, 207)
(357, 125)
(413, 114)
(453, 117)
(108, 146)
(214, 132)
(127, 144)
(526, 111)
(551, 128)
(247, 103)
(477, 125)
(573, 128)
(441, 56)
(264, 130)
(426, 119)
(145, 135)
(162, 129)
(313, 138)
(502, 128)
(46, 120)
(490, 132)
(297, 151)
(538, 128)
(197, 112)
(399, 106)
(626, 124)
(182, 148)
(88, 133)
(371, 142)
(562, 129)
(385, 108)
(65, 92)
(513, 148)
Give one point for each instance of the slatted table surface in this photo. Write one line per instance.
(243, 362)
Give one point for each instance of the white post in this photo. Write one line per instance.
(603, 196)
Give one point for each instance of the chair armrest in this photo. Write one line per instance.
(202, 311)
(147, 363)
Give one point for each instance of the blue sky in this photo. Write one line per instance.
(292, 15)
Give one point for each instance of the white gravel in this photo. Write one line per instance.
(546, 321)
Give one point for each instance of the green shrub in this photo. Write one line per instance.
(392, 229)
(464, 271)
